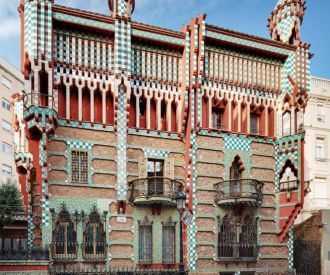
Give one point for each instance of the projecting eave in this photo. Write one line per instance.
(249, 42)
(157, 34)
(83, 18)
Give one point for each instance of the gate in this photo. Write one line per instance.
(307, 257)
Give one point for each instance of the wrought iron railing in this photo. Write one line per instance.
(239, 189)
(238, 251)
(35, 99)
(34, 254)
(94, 251)
(289, 185)
(154, 187)
(119, 271)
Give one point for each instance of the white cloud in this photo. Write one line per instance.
(9, 19)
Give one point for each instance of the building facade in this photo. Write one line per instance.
(11, 80)
(317, 163)
(117, 116)
(317, 137)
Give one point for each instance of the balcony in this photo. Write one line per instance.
(289, 185)
(159, 190)
(242, 191)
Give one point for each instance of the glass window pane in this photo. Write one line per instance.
(168, 243)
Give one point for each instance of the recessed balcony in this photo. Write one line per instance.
(239, 191)
(154, 190)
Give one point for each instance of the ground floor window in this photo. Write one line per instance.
(168, 243)
(145, 243)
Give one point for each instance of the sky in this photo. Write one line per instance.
(248, 16)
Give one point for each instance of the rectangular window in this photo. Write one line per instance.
(6, 126)
(5, 104)
(6, 148)
(320, 112)
(320, 189)
(320, 148)
(217, 119)
(168, 244)
(6, 170)
(79, 166)
(155, 177)
(6, 82)
(145, 243)
(254, 124)
(286, 120)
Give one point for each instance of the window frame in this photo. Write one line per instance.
(323, 157)
(257, 130)
(287, 131)
(94, 225)
(320, 115)
(145, 260)
(8, 146)
(5, 173)
(171, 226)
(79, 152)
(5, 122)
(64, 223)
(156, 179)
(5, 80)
(5, 104)
(232, 240)
(217, 114)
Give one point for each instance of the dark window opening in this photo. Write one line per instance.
(254, 124)
(142, 106)
(155, 177)
(217, 119)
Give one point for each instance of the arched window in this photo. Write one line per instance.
(94, 245)
(236, 170)
(286, 123)
(64, 237)
(289, 177)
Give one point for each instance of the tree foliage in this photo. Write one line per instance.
(10, 201)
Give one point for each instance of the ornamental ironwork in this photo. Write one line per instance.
(240, 191)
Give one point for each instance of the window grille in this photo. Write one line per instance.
(79, 166)
(64, 237)
(94, 238)
(238, 237)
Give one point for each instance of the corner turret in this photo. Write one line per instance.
(286, 19)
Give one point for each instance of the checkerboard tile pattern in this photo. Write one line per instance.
(290, 246)
(78, 144)
(122, 147)
(155, 153)
(238, 143)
